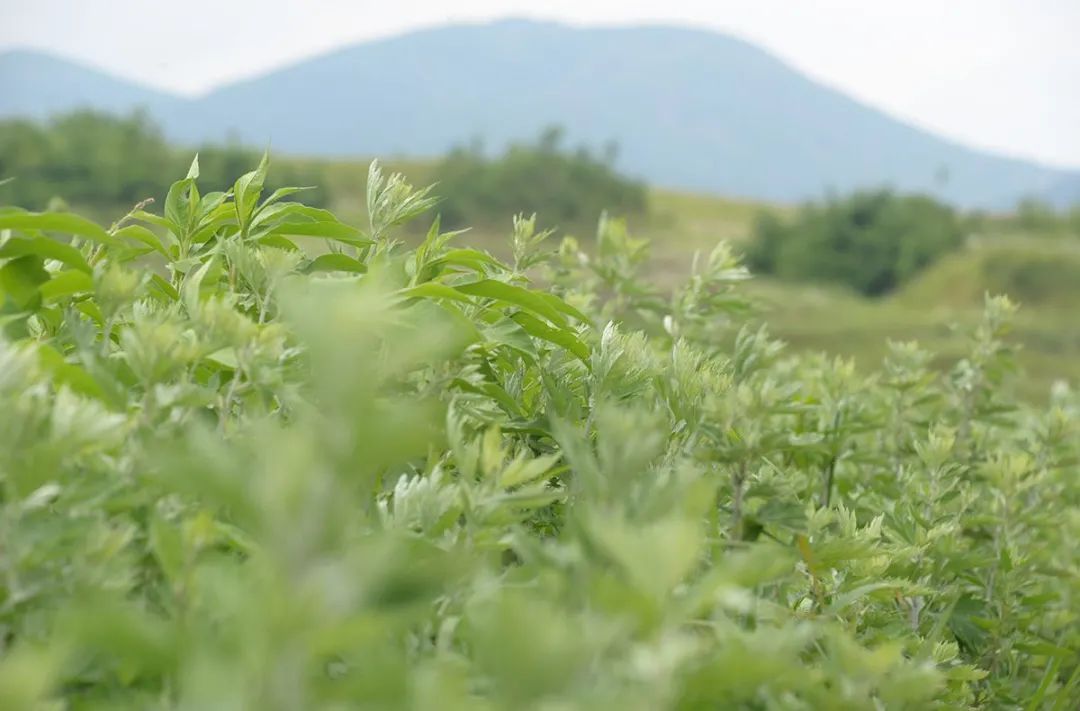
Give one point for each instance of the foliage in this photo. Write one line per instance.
(238, 473)
(566, 188)
(1041, 273)
(1037, 217)
(870, 241)
(98, 161)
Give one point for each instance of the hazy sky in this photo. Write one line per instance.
(999, 74)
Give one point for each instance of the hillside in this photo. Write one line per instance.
(689, 109)
(38, 85)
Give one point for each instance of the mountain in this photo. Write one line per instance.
(689, 109)
(38, 85)
(1063, 193)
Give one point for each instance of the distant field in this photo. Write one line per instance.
(841, 323)
(943, 304)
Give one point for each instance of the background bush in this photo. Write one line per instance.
(566, 188)
(870, 241)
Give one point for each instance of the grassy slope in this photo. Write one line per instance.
(935, 310)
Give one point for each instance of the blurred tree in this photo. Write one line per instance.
(96, 160)
(871, 241)
(566, 188)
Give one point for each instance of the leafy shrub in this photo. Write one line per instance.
(100, 161)
(241, 473)
(870, 241)
(567, 189)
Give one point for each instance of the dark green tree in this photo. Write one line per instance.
(568, 188)
(871, 241)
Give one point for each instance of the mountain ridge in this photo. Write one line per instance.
(689, 108)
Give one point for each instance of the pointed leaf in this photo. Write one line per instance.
(563, 337)
(516, 295)
(57, 222)
(21, 279)
(66, 283)
(45, 247)
(336, 263)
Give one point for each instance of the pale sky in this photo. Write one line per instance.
(994, 74)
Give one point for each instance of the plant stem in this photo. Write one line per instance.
(738, 481)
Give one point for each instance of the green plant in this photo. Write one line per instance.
(870, 241)
(238, 472)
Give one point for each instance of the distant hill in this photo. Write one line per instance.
(38, 85)
(1064, 192)
(689, 109)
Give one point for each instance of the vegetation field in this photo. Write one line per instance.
(254, 456)
(1038, 265)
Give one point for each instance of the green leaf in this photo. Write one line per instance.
(335, 263)
(470, 259)
(559, 305)
(278, 195)
(507, 332)
(21, 279)
(434, 290)
(213, 223)
(144, 236)
(226, 357)
(156, 220)
(338, 231)
(1046, 649)
(56, 222)
(45, 247)
(528, 498)
(193, 170)
(523, 470)
(516, 295)
(180, 205)
(280, 242)
(92, 310)
(562, 337)
(66, 283)
(74, 376)
(192, 286)
(298, 212)
(493, 391)
(164, 288)
(247, 190)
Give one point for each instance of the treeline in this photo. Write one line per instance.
(101, 162)
(98, 161)
(568, 188)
